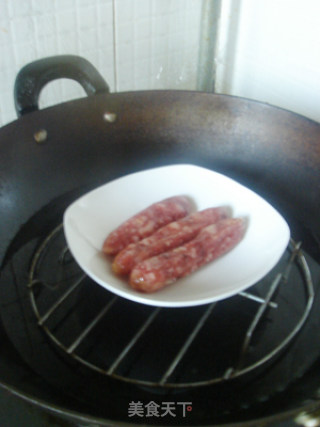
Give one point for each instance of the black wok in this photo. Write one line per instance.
(49, 157)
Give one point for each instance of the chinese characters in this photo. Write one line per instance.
(153, 409)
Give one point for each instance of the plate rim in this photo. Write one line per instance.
(148, 299)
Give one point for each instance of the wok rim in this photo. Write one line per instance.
(65, 412)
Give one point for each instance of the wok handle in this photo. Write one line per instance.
(34, 76)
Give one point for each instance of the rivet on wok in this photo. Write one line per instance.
(308, 420)
(40, 136)
(110, 117)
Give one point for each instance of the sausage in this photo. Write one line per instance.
(168, 237)
(212, 241)
(146, 222)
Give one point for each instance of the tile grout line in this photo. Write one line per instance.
(115, 77)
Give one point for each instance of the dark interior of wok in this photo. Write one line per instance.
(73, 345)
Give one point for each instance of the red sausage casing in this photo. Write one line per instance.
(146, 222)
(212, 241)
(168, 237)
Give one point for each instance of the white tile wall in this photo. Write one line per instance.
(159, 47)
(135, 44)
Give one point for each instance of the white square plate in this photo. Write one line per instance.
(92, 217)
